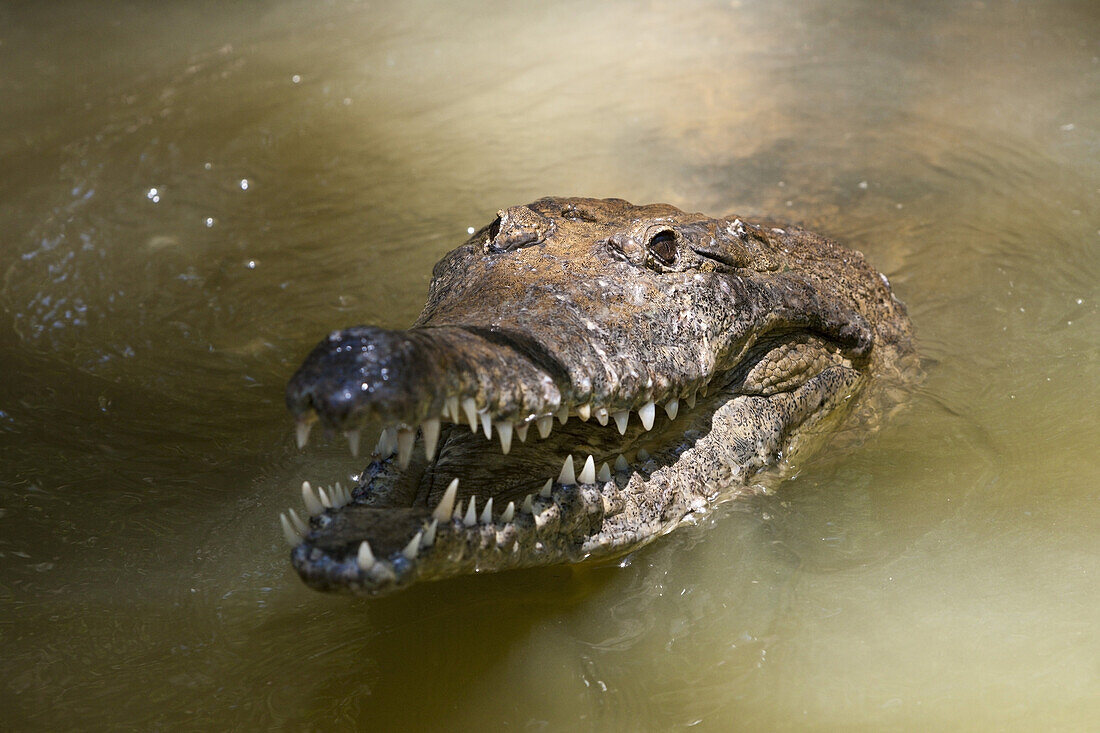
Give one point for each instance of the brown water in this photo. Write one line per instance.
(945, 574)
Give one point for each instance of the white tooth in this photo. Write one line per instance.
(326, 502)
(544, 492)
(646, 413)
(521, 431)
(302, 433)
(509, 513)
(672, 407)
(563, 414)
(504, 432)
(584, 412)
(430, 429)
(567, 476)
(313, 506)
(365, 558)
(413, 547)
(445, 411)
(470, 408)
(429, 535)
(447, 503)
(387, 443)
(690, 399)
(602, 415)
(621, 464)
(544, 424)
(405, 440)
(353, 442)
(289, 534)
(528, 505)
(452, 408)
(604, 475)
(621, 419)
(487, 424)
(588, 473)
(487, 512)
(299, 525)
(345, 495)
(643, 454)
(471, 513)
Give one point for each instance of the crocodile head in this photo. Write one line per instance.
(586, 375)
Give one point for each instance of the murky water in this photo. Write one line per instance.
(193, 193)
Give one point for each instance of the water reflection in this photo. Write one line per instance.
(194, 193)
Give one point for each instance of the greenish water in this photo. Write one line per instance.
(944, 574)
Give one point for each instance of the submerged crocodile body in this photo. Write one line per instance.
(585, 376)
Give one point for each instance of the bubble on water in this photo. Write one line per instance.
(153, 195)
(244, 184)
(209, 222)
(296, 78)
(470, 230)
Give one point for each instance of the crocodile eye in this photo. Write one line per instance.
(662, 245)
(494, 229)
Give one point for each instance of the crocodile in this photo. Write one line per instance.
(586, 375)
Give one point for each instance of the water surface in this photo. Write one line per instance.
(193, 194)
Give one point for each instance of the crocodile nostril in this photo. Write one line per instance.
(517, 227)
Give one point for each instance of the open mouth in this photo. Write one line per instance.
(469, 488)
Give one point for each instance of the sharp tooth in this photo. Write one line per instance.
(621, 464)
(690, 399)
(643, 454)
(447, 503)
(544, 492)
(646, 413)
(336, 496)
(365, 558)
(326, 502)
(430, 429)
(353, 442)
(445, 411)
(487, 512)
(299, 525)
(405, 440)
(509, 513)
(604, 475)
(429, 535)
(588, 473)
(602, 415)
(705, 389)
(313, 506)
(672, 407)
(470, 408)
(544, 424)
(504, 432)
(563, 414)
(452, 408)
(471, 513)
(289, 534)
(584, 412)
(521, 431)
(528, 505)
(487, 424)
(621, 419)
(301, 433)
(413, 547)
(567, 476)
(387, 442)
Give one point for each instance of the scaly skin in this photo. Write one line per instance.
(727, 339)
